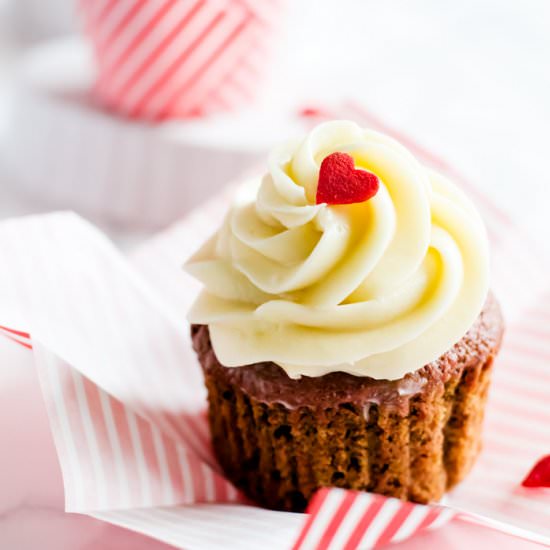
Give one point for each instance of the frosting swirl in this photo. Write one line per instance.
(378, 288)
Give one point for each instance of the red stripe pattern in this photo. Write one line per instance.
(346, 520)
(18, 336)
(114, 458)
(122, 440)
(164, 59)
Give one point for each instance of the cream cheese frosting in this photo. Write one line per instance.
(377, 288)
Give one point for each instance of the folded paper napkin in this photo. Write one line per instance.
(126, 402)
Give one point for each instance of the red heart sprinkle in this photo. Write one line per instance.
(539, 476)
(341, 183)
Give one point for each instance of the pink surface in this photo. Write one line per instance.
(31, 499)
(31, 495)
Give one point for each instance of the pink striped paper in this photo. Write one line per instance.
(123, 438)
(22, 338)
(349, 520)
(126, 404)
(160, 59)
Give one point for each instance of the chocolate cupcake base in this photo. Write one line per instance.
(280, 439)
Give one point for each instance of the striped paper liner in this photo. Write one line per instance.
(164, 59)
(126, 405)
(350, 519)
(115, 423)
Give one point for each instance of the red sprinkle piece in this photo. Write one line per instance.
(539, 476)
(313, 112)
(341, 183)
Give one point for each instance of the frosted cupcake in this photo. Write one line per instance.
(345, 328)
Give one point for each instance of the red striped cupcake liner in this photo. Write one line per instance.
(166, 59)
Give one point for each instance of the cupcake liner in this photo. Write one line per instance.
(166, 59)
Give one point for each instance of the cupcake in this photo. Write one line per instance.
(345, 329)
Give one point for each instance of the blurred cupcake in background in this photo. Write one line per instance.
(171, 59)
